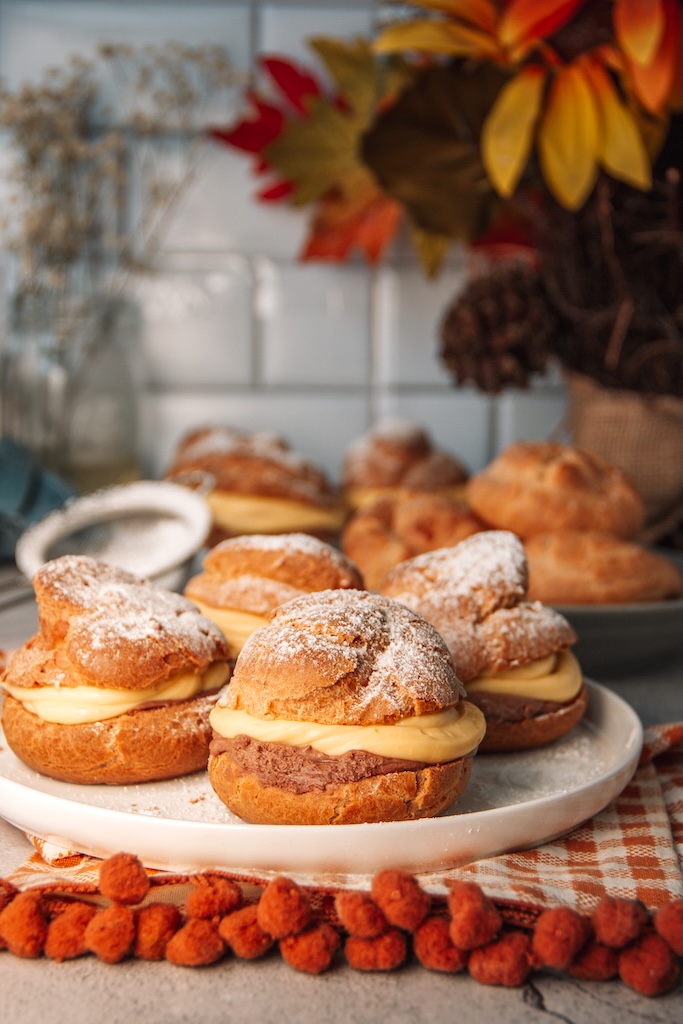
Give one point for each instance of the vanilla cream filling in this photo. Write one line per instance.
(557, 677)
(435, 738)
(75, 705)
(359, 497)
(244, 513)
(236, 626)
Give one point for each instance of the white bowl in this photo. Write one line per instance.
(151, 528)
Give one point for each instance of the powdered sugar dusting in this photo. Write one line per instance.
(109, 605)
(474, 594)
(485, 571)
(368, 653)
(288, 543)
(259, 462)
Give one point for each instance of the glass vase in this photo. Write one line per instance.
(68, 385)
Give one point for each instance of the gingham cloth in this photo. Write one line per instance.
(632, 849)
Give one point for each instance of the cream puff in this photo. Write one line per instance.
(345, 708)
(245, 578)
(513, 655)
(589, 567)
(117, 684)
(536, 486)
(258, 484)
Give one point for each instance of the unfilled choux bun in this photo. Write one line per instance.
(397, 527)
(589, 567)
(535, 486)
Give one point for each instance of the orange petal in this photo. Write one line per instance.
(621, 147)
(508, 130)
(482, 13)
(655, 84)
(568, 138)
(437, 37)
(638, 27)
(525, 21)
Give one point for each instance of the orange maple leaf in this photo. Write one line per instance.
(336, 230)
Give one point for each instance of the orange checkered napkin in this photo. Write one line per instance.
(632, 849)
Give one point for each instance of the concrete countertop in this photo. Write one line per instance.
(269, 992)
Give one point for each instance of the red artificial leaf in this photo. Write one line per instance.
(294, 82)
(275, 192)
(252, 135)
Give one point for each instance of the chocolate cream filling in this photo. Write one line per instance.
(302, 769)
(510, 707)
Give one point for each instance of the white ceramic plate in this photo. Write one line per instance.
(513, 802)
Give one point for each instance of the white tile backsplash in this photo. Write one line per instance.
(197, 321)
(234, 328)
(315, 323)
(320, 426)
(284, 28)
(38, 34)
(408, 313)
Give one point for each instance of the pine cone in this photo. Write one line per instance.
(500, 330)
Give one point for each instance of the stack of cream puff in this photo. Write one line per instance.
(397, 527)
(535, 487)
(513, 655)
(345, 708)
(117, 684)
(579, 518)
(258, 484)
(245, 578)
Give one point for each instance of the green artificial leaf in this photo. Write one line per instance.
(425, 149)
(363, 79)
(320, 153)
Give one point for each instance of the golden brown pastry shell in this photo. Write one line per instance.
(142, 746)
(397, 796)
(533, 487)
(573, 567)
(258, 573)
(395, 528)
(537, 731)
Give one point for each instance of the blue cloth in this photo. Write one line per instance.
(27, 493)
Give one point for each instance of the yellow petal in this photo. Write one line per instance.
(508, 131)
(638, 26)
(621, 149)
(568, 138)
(436, 37)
